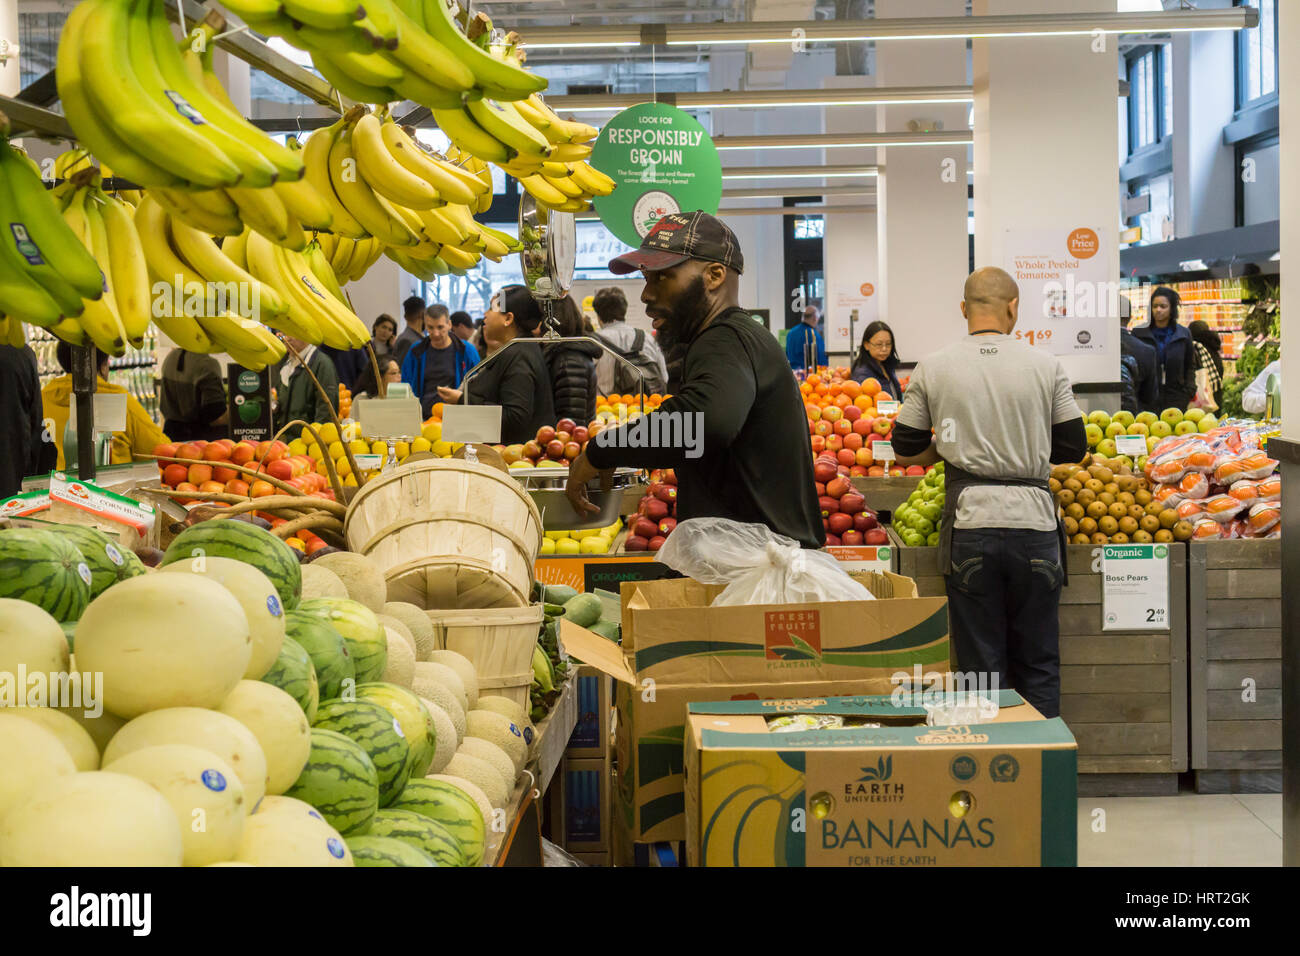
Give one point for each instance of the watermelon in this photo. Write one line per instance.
(426, 835)
(452, 807)
(46, 569)
(245, 542)
(367, 642)
(385, 851)
(378, 733)
(417, 723)
(327, 650)
(108, 561)
(294, 674)
(339, 781)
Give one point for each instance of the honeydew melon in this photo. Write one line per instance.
(364, 582)
(30, 755)
(76, 740)
(280, 726)
(31, 642)
(273, 839)
(256, 595)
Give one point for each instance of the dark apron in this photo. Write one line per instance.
(957, 480)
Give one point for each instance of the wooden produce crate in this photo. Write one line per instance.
(1235, 608)
(1123, 693)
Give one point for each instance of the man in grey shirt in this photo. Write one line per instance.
(1002, 412)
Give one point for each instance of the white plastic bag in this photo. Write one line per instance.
(757, 565)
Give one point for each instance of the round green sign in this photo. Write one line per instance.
(662, 161)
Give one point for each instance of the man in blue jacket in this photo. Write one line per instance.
(797, 338)
(439, 360)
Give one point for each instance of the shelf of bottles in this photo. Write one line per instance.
(136, 370)
(1220, 303)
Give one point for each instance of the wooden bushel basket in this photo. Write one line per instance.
(448, 534)
(499, 642)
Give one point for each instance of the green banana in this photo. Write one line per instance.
(542, 672)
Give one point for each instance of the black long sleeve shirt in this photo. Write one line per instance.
(740, 430)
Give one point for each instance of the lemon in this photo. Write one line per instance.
(567, 546)
(403, 449)
(321, 469)
(328, 432)
(297, 447)
(350, 481)
(548, 546)
(343, 467)
(594, 544)
(443, 449)
(432, 431)
(378, 447)
(421, 444)
(359, 447)
(557, 535)
(335, 449)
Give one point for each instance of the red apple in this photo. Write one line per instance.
(852, 502)
(189, 450)
(837, 487)
(224, 475)
(666, 526)
(842, 470)
(852, 412)
(655, 543)
(670, 477)
(846, 457)
(915, 471)
(243, 453)
(581, 434)
(634, 543)
(818, 444)
(863, 426)
(851, 538)
(174, 475)
(646, 528)
(236, 486)
(858, 471)
(572, 450)
(566, 425)
(532, 450)
(865, 521)
(164, 452)
(280, 469)
(555, 448)
(896, 472)
(198, 474)
(864, 457)
(545, 434)
(839, 523)
(834, 443)
(656, 509)
(563, 437)
(823, 428)
(876, 537)
(667, 493)
(882, 426)
(216, 452)
(876, 471)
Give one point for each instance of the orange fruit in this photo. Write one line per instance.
(871, 387)
(813, 380)
(843, 400)
(863, 402)
(852, 389)
(835, 388)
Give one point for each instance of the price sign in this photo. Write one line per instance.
(1135, 446)
(886, 407)
(1135, 587)
(883, 450)
(860, 558)
(1034, 336)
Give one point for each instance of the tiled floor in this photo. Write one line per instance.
(1186, 830)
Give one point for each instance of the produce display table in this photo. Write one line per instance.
(1235, 594)
(520, 843)
(1123, 693)
(886, 494)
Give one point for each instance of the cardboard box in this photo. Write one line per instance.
(586, 805)
(591, 736)
(1002, 793)
(677, 649)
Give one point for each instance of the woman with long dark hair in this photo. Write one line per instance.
(572, 365)
(877, 358)
(1175, 350)
(1209, 356)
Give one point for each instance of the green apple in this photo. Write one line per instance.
(1162, 429)
(1094, 433)
(932, 539)
(1138, 428)
(1185, 428)
(1172, 415)
(932, 511)
(914, 539)
(1141, 463)
(1194, 414)
(923, 526)
(1099, 418)
(1207, 423)
(1114, 430)
(1124, 418)
(1152, 441)
(1146, 418)
(1107, 448)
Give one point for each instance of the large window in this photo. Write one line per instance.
(1150, 77)
(1257, 55)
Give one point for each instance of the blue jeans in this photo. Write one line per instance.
(1004, 589)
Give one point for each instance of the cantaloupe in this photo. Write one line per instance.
(419, 624)
(364, 581)
(256, 595)
(482, 774)
(279, 725)
(30, 755)
(445, 676)
(476, 794)
(30, 639)
(209, 730)
(76, 739)
(320, 581)
(447, 740)
(95, 819)
(164, 640)
(431, 690)
(400, 669)
(274, 839)
(400, 627)
(203, 791)
(489, 752)
(502, 705)
(464, 669)
(500, 730)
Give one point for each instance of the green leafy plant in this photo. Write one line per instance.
(1263, 328)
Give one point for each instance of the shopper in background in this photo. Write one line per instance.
(635, 345)
(462, 326)
(383, 335)
(348, 363)
(1001, 412)
(1139, 362)
(22, 432)
(413, 309)
(572, 366)
(438, 361)
(389, 371)
(1175, 350)
(142, 435)
(514, 378)
(797, 344)
(302, 401)
(1209, 358)
(737, 393)
(192, 397)
(877, 358)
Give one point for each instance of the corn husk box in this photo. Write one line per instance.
(677, 649)
(1002, 793)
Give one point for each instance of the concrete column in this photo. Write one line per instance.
(10, 77)
(1289, 211)
(1046, 150)
(1203, 104)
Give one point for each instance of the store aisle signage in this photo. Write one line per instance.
(1135, 587)
(1068, 302)
(1134, 446)
(249, 411)
(863, 558)
(663, 162)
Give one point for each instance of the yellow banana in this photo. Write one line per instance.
(266, 266)
(340, 327)
(591, 179)
(570, 131)
(372, 211)
(151, 227)
(261, 210)
(129, 275)
(235, 248)
(543, 190)
(100, 319)
(384, 173)
(343, 253)
(566, 185)
(448, 186)
(458, 258)
(316, 159)
(185, 206)
(569, 153)
(213, 264)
